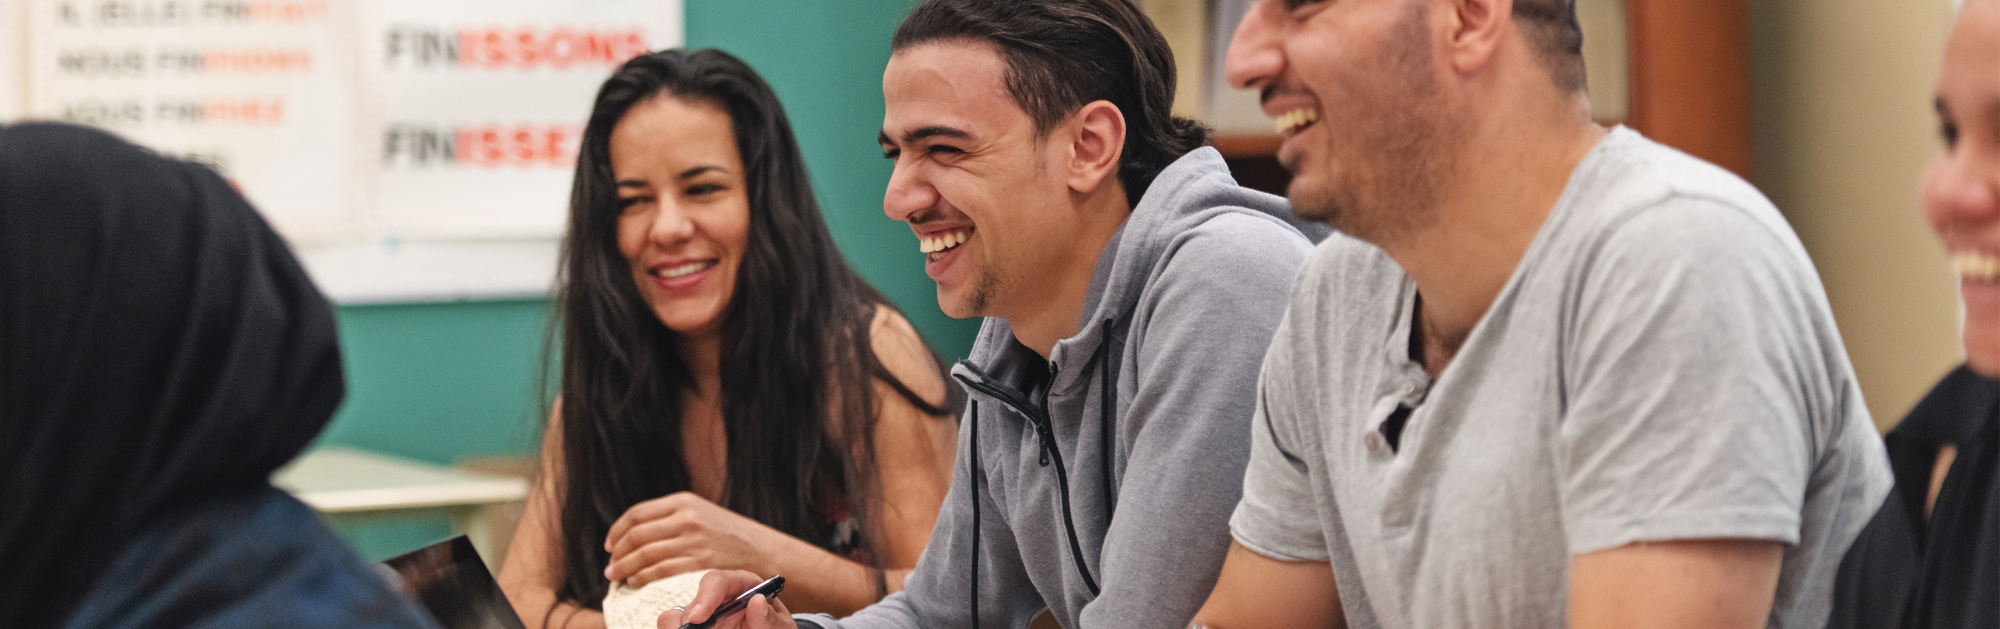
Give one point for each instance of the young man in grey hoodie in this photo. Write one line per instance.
(1130, 288)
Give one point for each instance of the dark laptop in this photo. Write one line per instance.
(452, 582)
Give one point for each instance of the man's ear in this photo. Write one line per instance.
(1096, 145)
(1476, 29)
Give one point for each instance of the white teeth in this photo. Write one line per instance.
(683, 270)
(1294, 119)
(934, 244)
(1975, 266)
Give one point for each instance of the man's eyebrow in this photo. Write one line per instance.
(933, 131)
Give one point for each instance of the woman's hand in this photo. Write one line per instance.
(683, 532)
(722, 586)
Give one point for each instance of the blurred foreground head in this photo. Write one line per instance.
(1961, 188)
(161, 352)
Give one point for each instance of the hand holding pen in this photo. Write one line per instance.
(732, 599)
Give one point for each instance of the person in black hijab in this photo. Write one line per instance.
(1930, 559)
(161, 352)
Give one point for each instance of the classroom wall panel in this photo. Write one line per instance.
(442, 382)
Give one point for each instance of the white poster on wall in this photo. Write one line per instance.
(410, 150)
(473, 113)
(483, 103)
(263, 91)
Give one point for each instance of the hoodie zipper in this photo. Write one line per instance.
(1038, 415)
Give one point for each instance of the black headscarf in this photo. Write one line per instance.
(160, 351)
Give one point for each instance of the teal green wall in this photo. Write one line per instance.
(441, 382)
(446, 381)
(437, 382)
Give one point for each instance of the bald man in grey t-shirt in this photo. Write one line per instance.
(1661, 365)
(1558, 376)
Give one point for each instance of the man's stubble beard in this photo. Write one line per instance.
(984, 282)
(1392, 192)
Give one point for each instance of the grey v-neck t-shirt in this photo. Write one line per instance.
(1662, 365)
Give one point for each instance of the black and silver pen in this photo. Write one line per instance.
(769, 588)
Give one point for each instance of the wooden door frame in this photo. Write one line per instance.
(1690, 77)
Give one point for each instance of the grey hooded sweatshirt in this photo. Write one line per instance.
(1113, 515)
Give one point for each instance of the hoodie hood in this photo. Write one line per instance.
(1194, 189)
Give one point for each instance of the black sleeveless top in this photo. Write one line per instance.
(1902, 573)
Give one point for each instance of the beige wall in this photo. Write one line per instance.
(1605, 58)
(1185, 25)
(1842, 92)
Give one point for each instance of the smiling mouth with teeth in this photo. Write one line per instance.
(936, 246)
(683, 270)
(1295, 120)
(1976, 267)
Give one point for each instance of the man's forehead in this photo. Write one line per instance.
(958, 84)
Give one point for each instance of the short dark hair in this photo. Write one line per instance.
(1557, 38)
(1064, 54)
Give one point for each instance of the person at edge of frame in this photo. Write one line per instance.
(1926, 560)
(162, 353)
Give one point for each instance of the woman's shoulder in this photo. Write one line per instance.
(903, 354)
(892, 335)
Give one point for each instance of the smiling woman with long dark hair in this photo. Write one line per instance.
(733, 394)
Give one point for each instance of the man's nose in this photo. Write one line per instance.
(1255, 58)
(909, 193)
